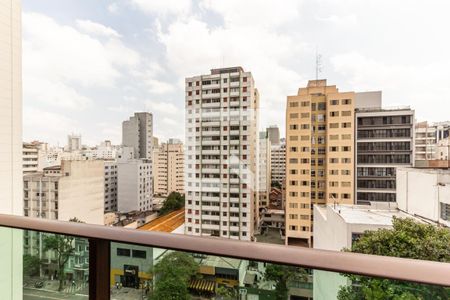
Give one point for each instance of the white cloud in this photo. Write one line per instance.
(60, 62)
(162, 107)
(163, 7)
(113, 8)
(54, 93)
(254, 13)
(46, 126)
(97, 29)
(418, 86)
(263, 51)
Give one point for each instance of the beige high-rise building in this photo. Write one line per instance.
(168, 168)
(319, 155)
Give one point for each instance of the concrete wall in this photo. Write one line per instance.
(419, 192)
(134, 188)
(81, 191)
(368, 100)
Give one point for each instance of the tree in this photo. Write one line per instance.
(31, 265)
(275, 184)
(226, 293)
(282, 275)
(172, 275)
(173, 202)
(63, 247)
(407, 239)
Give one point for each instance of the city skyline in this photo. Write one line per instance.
(141, 65)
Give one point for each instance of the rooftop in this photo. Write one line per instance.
(166, 223)
(366, 214)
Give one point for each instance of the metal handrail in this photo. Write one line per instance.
(420, 271)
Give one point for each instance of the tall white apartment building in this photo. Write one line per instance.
(73, 142)
(137, 132)
(264, 169)
(110, 186)
(134, 185)
(168, 168)
(278, 162)
(221, 154)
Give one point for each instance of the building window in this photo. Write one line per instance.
(445, 211)
(123, 252)
(139, 254)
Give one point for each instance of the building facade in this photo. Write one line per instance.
(72, 190)
(168, 168)
(278, 163)
(221, 154)
(264, 169)
(319, 155)
(427, 138)
(425, 193)
(336, 227)
(273, 133)
(110, 186)
(11, 197)
(134, 185)
(73, 142)
(385, 141)
(137, 132)
(30, 158)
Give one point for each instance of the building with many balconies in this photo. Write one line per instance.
(221, 154)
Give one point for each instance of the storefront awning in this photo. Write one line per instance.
(202, 285)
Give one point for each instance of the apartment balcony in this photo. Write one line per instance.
(107, 265)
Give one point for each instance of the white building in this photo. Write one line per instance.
(110, 186)
(137, 132)
(278, 162)
(428, 135)
(221, 154)
(336, 227)
(425, 193)
(73, 142)
(264, 169)
(11, 201)
(30, 158)
(443, 149)
(134, 186)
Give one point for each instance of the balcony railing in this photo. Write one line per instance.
(137, 246)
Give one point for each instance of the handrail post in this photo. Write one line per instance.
(99, 269)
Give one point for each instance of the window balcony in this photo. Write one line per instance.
(123, 261)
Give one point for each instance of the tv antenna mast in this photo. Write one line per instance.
(318, 64)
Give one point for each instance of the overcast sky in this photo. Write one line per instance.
(88, 65)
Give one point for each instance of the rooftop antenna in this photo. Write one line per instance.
(318, 65)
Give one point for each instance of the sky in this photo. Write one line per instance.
(89, 65)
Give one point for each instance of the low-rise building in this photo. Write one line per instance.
(425, 193)
(337, 226)
(74, 189)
